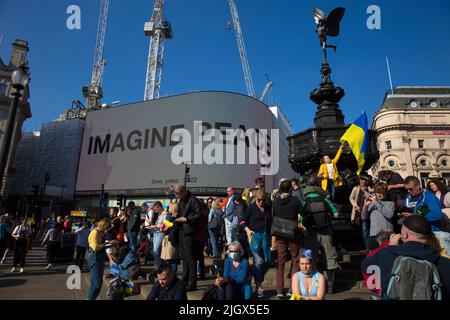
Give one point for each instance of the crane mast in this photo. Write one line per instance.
(158, 30)
(94, 92)
(242, 51)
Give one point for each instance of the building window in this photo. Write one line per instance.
(441, 144)
(433, 104)
(391, 163)
(413, 104)
(444, 163)
(446, 178)
(3, 89)
(424, 179)
(421, 143)
(388, 145)
(423, 163)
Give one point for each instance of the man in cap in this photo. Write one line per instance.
(414, 242)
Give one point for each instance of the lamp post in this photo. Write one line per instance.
(20, 79)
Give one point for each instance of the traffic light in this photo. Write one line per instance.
(119, 200)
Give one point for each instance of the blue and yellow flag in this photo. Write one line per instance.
(357, 138)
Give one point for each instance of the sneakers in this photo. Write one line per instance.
(21, 270)
(280, 295)
(49, 266)
(13, 269)
(289, 294)
(260, 294)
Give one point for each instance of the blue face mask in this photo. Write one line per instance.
(234, 255)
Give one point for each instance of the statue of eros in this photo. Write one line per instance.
(328, 26)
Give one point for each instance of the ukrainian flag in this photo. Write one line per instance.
(357, 138)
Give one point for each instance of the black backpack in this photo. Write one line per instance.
(316, 213)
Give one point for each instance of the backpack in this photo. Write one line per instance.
(316, 213)
(116, 290)
(413, 279)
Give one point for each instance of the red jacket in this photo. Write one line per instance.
(366, 276)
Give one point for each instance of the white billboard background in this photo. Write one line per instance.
(145, 171)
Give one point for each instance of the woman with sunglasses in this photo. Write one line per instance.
(235, 284)
(257, 222)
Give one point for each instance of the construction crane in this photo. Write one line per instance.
(94, 92)
(268, 86)
(242, 51)
(158, 30)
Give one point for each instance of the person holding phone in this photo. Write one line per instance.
(380, 213)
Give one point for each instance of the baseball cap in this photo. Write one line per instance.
(418, 224)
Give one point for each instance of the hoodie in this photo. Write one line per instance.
(385, 259)
(287, 207)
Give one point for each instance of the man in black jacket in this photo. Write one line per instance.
(287, 207)
(133, 226)
(415, 235)
(167, 286)
(187, 224)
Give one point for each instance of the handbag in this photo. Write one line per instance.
(284, 228)
(210, 293)
(214, 223)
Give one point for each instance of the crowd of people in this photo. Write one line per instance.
(406, 231)
(253, 230)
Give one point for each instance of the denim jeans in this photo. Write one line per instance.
(96, 262)
(260, 246)
(157, 247)
(365, 227)
(133, 241)
(331, 188)
(230, 230)
(214, 237)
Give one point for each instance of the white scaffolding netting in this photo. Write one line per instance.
(55, 151)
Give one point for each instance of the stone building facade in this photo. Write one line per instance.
(413, 133)
(18, 56)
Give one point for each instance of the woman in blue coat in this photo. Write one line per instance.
(235, 284)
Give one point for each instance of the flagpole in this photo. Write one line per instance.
(389, 74)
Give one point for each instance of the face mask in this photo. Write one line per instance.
(234, 255)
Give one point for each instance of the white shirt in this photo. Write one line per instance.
(149, 216)
(330, 170)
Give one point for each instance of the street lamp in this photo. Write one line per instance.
(20, 79)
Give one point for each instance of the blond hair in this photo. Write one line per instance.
(216, 204)
(103, 225)
(174, 206)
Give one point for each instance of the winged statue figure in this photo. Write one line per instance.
(328, 26)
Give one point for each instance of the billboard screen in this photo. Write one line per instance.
(129, 149)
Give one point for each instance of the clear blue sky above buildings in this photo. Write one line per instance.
(203, 55)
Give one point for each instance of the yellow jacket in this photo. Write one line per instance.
(323, 172)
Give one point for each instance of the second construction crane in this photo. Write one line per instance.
(242, 51)
(94, 92)
(158, 30)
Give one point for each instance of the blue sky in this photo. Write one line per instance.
(203, 55)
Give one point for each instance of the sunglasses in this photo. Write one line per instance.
(233, 251)
(412, 188)
(260, 200)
